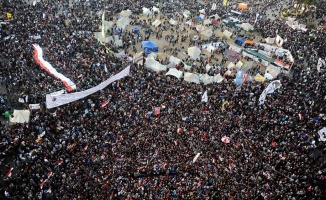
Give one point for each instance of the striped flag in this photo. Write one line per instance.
(60, 161)
(104, 103)
(85, 148)
(49, 174)
(43, 182)
(230, 165)
(9, 172)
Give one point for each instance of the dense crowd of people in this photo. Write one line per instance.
(125, 151)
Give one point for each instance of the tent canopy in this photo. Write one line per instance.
(174, 72)
(242, 6)
(156, 23)
(125, 13)
(149, 47)
(247, 26)
(240, 41)
(192, 78)
(20, 116)
(194, 52)
(123, 22)
(135, 30)
(154, 65)
(146, 11)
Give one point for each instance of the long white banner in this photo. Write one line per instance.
(62, 99)
(38, 57)
(268, 90)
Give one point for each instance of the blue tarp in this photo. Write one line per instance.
(117, 31)
(135, 30)
(199, 18)
(149, 47)
(239, 77)
(240, 41)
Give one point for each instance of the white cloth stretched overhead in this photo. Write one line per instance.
(270, 40)
(174, 72)
(207, 32)
(239, 64)
(227, 33)
(231, 65)
(20, 116)
(272, 70)
(186, 13)
(173, 22)
(156, 23)
(175, 60)
(208, 79)
(234, 48)
(207, 21)
(154, 65)
(59, 100)
(194, 52)
(146, 11)
(190, 77)
(268, 90)
(123, 22)
(218, 78)
(45, 65)
(125, 13)
(107, 25)
(247, 26)
(156, 9)
(200, 28)
(202, 11)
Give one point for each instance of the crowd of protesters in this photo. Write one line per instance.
(124, 151)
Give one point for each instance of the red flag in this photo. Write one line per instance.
(60, 161)
(49, 174)
(85, 148)
(104, 103)
(179, 130)
(9, 172)
(273, 144)
(226, 139)
(43, 182)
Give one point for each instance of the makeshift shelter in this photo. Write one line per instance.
(173, 22)
(123, 22)
(174, 60)
(156, 9)
(135, 30)
(190, 23)
(208, 79)
(242, 6)
(154, 65)
(227, 33)
(259, 78)
(240, 41)
(214, 21)
(117, 32)
(98, 36)
(239, 64)
(207, 33)
(230, 66)
(270, 40)
(156, 23)
(147, 11)
(202, 11)
(200, 28)
(207, 21)
(107, 25)
(247, 26)
(149, 46)
(125, 13)
(186, 13)
(218, 78)
(20, 116)
(190, 77)
(233, 55)
(174, 72)
(234, 48)
(194, 52)
(250, 42)
(152, 56)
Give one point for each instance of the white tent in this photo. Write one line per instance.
(174, 72)
(273, 70)
(107, 25)
(231, 65)
(146, 11)
(270, 40)
(207, 32)
(190, 23)
(235, 48)
(194, 52)
(208, 67)
(175, 60)
(200, 27)
(247, 26)
(190, 77)
(98, 36)
(123, 22)
(156, 23)
(202, 11)
(152, 56)
(239, 64)
(207, 21)
(215, 16)
(279, 41)
(154, 65)
(173, 22)
(227, 33)
(125, 13)
(20, 116)
(156, 9)
(186, 13)
(218, 78)
(208, 79)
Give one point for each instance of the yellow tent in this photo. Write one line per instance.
(242, 6)
(259, 78)
(9, 15)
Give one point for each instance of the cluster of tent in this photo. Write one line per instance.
(295, 25)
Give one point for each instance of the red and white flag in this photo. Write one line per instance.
(9, 172)
(226, 139)
(85, 148)
(49, 174)
(300, 116)
(104, 103)
(60, 161)
(157, 111)
(43, 182)
(230, 165)
(179, 130)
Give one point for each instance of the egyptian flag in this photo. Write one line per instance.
(9, 172)
(60, 161)
(85, 148)
(104, 103)
(300, 116)
(230, 165)
(43, 182)
(49, 174)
